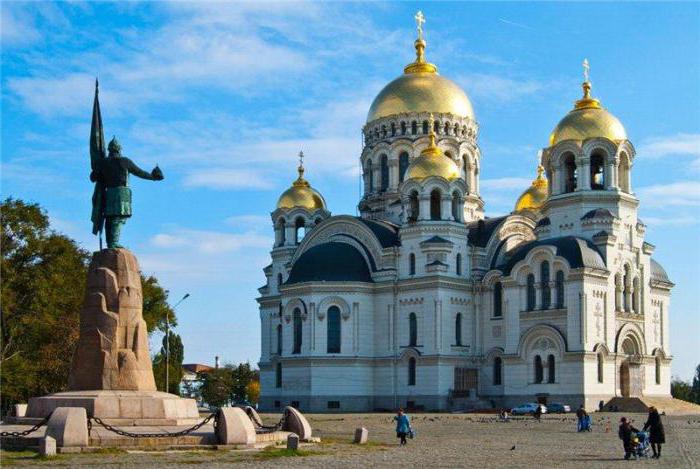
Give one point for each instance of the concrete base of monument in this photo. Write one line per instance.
(133, 408)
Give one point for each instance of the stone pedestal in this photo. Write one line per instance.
(112, 376)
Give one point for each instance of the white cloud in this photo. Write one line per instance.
(498, 88)
(683, 220)
(673, 145)
(250, 222)
(210, 242)
(222, 178)
(508, 183)
(682, 193)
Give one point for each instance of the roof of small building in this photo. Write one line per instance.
(480, 231)
(436, 240)
(197, 367)
(598, 213)
(578, 252)
(330, 262)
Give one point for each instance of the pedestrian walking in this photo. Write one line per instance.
(403, 426)
(657, 436)
(582, 417)
(537, 413)
(626, 432)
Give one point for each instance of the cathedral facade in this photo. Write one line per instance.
(423, 302)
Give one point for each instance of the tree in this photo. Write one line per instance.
(43, 286)
(175, 359)
(253, 391)
(217, 386)
(695, 391)
(243, 374)
(681, 390)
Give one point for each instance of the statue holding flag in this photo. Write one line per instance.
(111, 199)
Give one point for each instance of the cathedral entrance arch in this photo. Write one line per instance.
(631, 372)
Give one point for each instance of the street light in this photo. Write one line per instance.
(167, 343)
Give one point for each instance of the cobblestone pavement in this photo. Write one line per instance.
(443, 440)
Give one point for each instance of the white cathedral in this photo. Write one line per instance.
(423, 302)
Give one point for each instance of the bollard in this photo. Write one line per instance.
(361, 435)
(293, 441)
(47, 446)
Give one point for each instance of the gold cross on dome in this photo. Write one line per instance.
(586, 69)
(420, 19)
(301, 158)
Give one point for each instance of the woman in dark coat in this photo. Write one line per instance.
(656, 431)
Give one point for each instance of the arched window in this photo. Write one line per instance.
(278, 375)
(297, 330)
(436, 127)
(384, 162)
(497, 371)
(393, 129)
(551, 369)
(624, 173)
(455, 206)
(403, 128)
(279, 339)
(333, 332)
(435, 202)
(447, 128)
(458, 329)
(279, 280)
(414, 127)
(465, 163)
(414, 207)
(636, 296)
(458, 263)
(412, 264)
(597, 174)
(370, 176)
(600, 367)
(559, 282)
(618, 292)
(282, 232)
(539, 372)
(497, 300)
(384, 131)
(412, 330)
(530, 292)
(411, 371)
(546, 291)
(570, 173)
(627, 293)
(403, 165)
(299, 230)
(425, 128)
(657, 369)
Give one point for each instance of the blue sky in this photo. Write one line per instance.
(222, 96)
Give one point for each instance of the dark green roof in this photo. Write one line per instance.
(480, 231)
(386, 233)
(578, 252)
(332, 262)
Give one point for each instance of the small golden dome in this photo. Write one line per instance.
(301, 194)
(534, 196)
(433, 162)
(420, 89)
(588, 119)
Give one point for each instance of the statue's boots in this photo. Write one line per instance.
(114, 228)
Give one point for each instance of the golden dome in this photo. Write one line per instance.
(420, 89)
(588, 119)
(432, 162)
(534, 196)
(301, 194)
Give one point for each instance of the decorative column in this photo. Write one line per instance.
(446, 207)
(424, 207)
(393, 174)
(584, 174)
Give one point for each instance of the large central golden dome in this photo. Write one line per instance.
(420, 89)
(588, 119)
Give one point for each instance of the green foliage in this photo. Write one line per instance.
(176, 356)
(696, 386)
(227, 385)
(681, 390)
(43, 285)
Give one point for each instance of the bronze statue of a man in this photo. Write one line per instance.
(111, 200)
(113, 173)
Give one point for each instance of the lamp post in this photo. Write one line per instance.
(167, 343)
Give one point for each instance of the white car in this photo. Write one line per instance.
(528, 409)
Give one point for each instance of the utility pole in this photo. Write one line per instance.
(167, 343)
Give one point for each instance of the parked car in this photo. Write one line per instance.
(555, 408)
(529, 408)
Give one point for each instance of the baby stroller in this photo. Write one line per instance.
(641, 445)
(585, 424)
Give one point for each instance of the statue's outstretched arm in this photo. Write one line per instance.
(155, 175)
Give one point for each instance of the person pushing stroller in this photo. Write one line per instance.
(626, 433)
